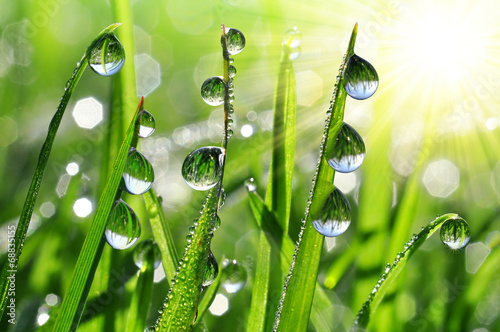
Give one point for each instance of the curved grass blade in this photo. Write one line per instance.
(141, 299)
(88, 259)
(43, 158)
(298, 292)
(392, 271)
(207, 299)
(279, 189)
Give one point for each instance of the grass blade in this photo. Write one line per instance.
(393, 271)
(207, 299)
(88, 259)
(43, 158)
(279, 189)
(298, 291)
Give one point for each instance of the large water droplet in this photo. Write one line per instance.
(455, 233)
(250, 185)
(234, 276)
(123, 228)
(235, 41)
(212, 91)
(202, 168)
(143, 250)
(335, 215)
(349, 150)
(107, 57)
(138, 174)
(232, 71)
(147, 124)
(211, 270)
(292, 37)
(361, 79)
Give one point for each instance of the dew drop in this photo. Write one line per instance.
(216, 222)
(294, 54)
(143, 250)
(107, 56)
(455, 233)
(211, 270)
(234, 276)
(292, 37)
(348, 152)
(235, 41)
(222, 198)
(138, 174)
(232, 71)
(251, 185)
(123, 228)
(335, 215)
(361, 79)
(202, 168)
(212, 91)
(147, 124)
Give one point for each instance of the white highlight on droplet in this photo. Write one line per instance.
(72, 168)
(82, 207)
(219, 306)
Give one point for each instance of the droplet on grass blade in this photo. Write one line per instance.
(455, 233)
(234, 276)
(349, 150)
(212, 91)
(251, 185)
(335, 215)
(361, 78)
(145, 248)
(147, 124)
(211, 270)
(235, 41)
(123, 228)
(138, 174)
(202, 168)
(292, 37)
(107, 57)
(232, 71)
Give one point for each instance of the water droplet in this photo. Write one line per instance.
(143, 250)
(335, 215)
(202, 168)
(212, 91)
(292, 37)
(232, 71)
(234, 276)
(216, 223)
(251, 185)
(361, 79)
(211, 270)
(147, 124)
(294, 54)
(235, 41)
(348, 152)
(107, 57)
(138, 174)
(455, 233)
(123, 228)
(222, 198)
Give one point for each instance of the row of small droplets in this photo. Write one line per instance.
(313, 187)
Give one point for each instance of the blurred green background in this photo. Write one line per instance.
(431, 132)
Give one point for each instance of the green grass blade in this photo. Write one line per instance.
(162, 234)
(43, 158)
(141, 299)
(207, 299)
(279, 189)
(298, 291)
(88, 259)
(393, 271)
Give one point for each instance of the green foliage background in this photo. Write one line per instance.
(42, 40)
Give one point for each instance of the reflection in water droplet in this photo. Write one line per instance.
(251, 185)
(361, 79)
(143, 250)
(235, 41)
(138, 173)
(234, 276)
(107, 57)
(147, 124)
(335, 215)
(123, 228)
(211, 270)
(292, 37)
(212, 91)
(232, 71)
(348, 152)
(202, 168)
(455, 233)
